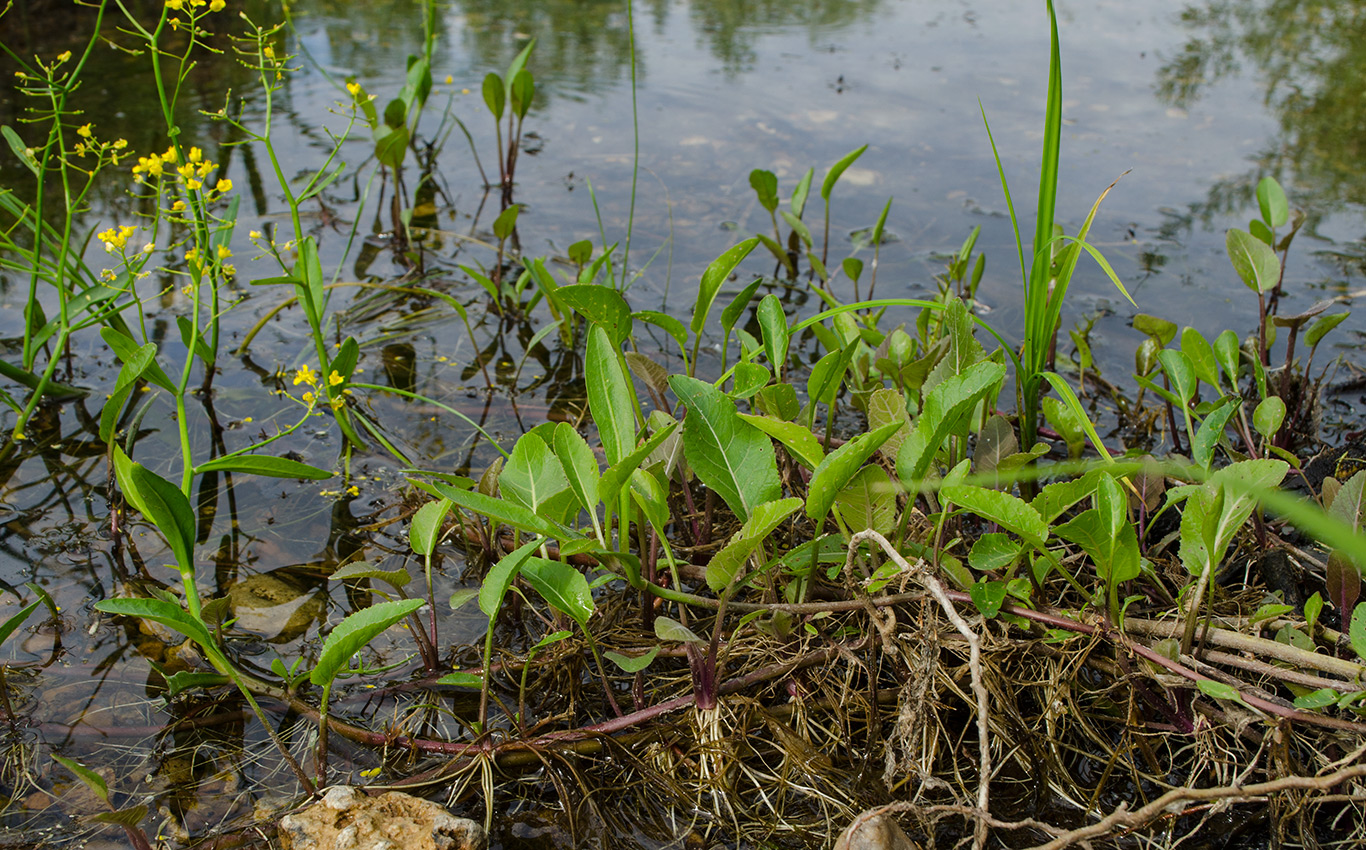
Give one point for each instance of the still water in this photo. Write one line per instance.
(1191, 102)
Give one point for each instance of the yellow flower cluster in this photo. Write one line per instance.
(115, 238)
(192, 172)
(89, 144)
(192, 5)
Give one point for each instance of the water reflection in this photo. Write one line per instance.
(1311, 59)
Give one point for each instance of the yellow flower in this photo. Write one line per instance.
(174, 5)
(83, 131)
(224, 185)
(178, 206)
(217, 6)
(353, 490)
(229, 270)
(354, 88)
(170, 156)
(63, 56)
(449, 79)
(149, 165)
(224, 252)
(120, 144)
(306, 375)
(192, 255)
(308, 398)
(149, 247)
(186, 170)
(192, 185)
(246, 420)
(334, 379)
(255, 234)
(195, 154)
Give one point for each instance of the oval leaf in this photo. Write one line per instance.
(354, 633)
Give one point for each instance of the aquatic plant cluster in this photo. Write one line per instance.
(813, 570)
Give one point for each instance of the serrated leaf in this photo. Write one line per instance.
(887, 405)
(354, 633)
(731, 456)
(945, 405)
(839, 467)
(364, 569)
(1004, 509)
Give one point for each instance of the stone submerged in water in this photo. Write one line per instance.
(346, 819)
(875, 830)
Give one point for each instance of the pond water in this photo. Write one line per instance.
(1192, 102)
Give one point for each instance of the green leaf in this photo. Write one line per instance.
(610, 398)
(1159, 329)
(162, 503)
(1271, 202)
(1211, 431)
(523, 89)
(1201, 355)
(533, 478)
(671, 630)
(798, 226)
(580, 464)
(1356, 630)
(600, 305)
(1321, 327)
(506, 222)
(749, 379)
(833, 175)
(495, 94)
(1313, 606)
(1322, 698)
(354, 633)
(632, 663)
(268, 465)
(838, 469)
(737, 306)
(944, 407)
(503, 511)
(1269, 416)
(650, 495)
(765, 185)
(731, 456)
(1219, 690)
(462, 596)
(726, 563)
(391, 147)
(804, 446)
(798, 202)
(673, 327)
(425, 528)
(88, 777)
(823, 384)
(1182, 374)
(868, 501)
(562, 585)
(132, 354)
(20, 150)
(1227, 352)
(500, 577)
(364, 569)
(168, 614)
(461, 680)
(609, 485)
(885, 406)
(714, 277)
(1005, 510)
(988, 596)
(993, 552)
(1254, 261)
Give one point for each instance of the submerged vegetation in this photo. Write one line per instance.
(813, 569)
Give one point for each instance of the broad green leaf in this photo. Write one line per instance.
(1254, 261)
(425, 528)
(20, 150)
(500, 577)
(1007, 511)
(462, 596)
(713, 278)
(943, 408)
(579, 462)
(495, 94)
(268, 465)
(1201, 355)
(1321, 327)
(669, 629)
(838, 469)
(749, 379)
(533, 478)
(995, 443)
(823, 384)
(650, 371)
(737, 306)
(1162, 330)
(730, 455)
(804, 446)
(562, 585)
(506, 222)
(650, 495)
(600, 305)
(632, 663)
(1211, 431)
(1269, 416)
(673, 327)
(988, 596)
(610, 398)
(354, 633)
(1322, 698)
(129, 352)
(868, 501)
(885, 406)
(1219, 690)
(503, 511)
(461, 680)
(1214, 513)
(391, 147)
(522, 91)
(162, 503)
(993, 552)
(726, 563)
(364, 569)
(1227, 352)
(765, 185)
(1271, 202)
(833, 175)
(798, 201)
